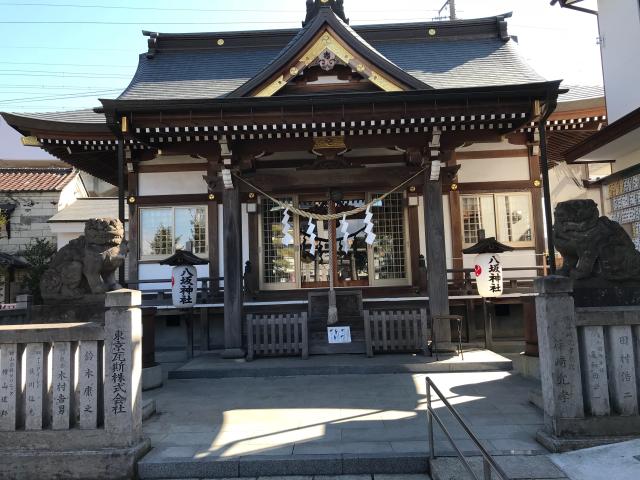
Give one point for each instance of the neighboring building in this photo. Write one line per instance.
(580, 113)
(325, 118)
(619, 142)
(28, 198)
(69, 222)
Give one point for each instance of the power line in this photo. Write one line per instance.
(52, 87)
(152, 22)
(166, 9)
(37, 73)
(60, 97)
(69, 64)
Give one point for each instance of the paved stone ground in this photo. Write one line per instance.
(617, 461)
(337, 414)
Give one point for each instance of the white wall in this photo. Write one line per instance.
(493, 169)
(619, 24)
(171, 183)
(29, 219)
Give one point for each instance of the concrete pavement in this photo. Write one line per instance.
(343, 423)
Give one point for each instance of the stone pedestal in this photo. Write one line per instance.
(69, 312)
(589, 369)
(558, 339)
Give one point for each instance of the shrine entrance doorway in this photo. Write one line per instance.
(350, 268)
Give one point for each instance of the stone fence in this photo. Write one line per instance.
(70, 396)
(590, 369)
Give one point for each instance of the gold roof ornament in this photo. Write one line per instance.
(30, 141)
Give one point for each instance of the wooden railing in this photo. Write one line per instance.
(277, 335)
(396, 331)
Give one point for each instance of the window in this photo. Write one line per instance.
(167, 229)
(286, 267)
(389, 249)
(278, 260)
(506, 216)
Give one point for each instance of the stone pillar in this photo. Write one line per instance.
(437, 287)
(34, 367)
(88, 387)
(61, 380)
(123, 366)
(559, 352)
(9, 378)
(233, 292)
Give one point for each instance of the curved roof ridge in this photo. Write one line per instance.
(344, 31)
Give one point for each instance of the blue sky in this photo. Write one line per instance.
(63, 66)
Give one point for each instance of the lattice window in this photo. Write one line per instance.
(471, 220)
(389, 255)
(278, 261)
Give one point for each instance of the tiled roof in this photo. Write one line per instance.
(580, 92)
(465, 53)
(86, 115)
(35, 179)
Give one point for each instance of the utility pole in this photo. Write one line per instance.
(452, 9)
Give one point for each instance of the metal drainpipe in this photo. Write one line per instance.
(546, 191)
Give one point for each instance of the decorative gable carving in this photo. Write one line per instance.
(327, 51)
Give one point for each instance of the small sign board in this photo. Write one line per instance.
(339, 334)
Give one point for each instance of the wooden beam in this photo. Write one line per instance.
(512, 185)
(414, 245)
(133, 224)
(456, 224)
(469, 155)
(538, 215)
(212, 229)
(180, 199)
(173, 167)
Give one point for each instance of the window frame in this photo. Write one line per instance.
(155, 258)
(406, 280)
(296, 244)
(529, 244)
(394, 282)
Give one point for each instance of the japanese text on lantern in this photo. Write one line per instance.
(118, 373)
(495, 277)
(186, 286)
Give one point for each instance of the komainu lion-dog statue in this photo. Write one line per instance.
(87, 265)
(593, 247)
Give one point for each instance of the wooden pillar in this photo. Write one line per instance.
(233, 295)
(437, 288)
(133, 225)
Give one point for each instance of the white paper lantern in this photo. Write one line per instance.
(488, 271)
(184, 286)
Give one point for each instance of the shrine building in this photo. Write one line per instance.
(441, 119)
